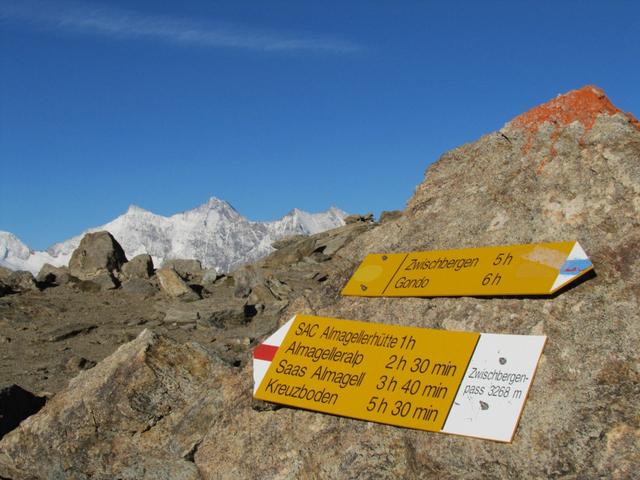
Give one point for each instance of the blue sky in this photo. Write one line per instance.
(273, 105)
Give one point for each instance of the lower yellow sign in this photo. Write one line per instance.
(456, 382)
(534, 269)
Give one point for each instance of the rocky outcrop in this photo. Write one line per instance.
(188, 269)
(18, 281)
(98, 253)
(509, 187)
(566, 170)
(140, 286)
(172, 284)
(144, 412)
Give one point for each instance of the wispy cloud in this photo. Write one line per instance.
(124, 24)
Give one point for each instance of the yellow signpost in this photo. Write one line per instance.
(533, 269)
(419, 378)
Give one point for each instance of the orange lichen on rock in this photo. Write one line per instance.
(583, 105)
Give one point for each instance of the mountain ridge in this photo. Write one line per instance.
(214, 233)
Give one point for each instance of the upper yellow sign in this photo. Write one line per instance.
(533, 269)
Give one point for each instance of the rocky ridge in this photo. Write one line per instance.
(569, 169)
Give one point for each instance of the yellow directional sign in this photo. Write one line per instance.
(455, 382)
(533, 269)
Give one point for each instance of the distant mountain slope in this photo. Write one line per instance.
(214, 233)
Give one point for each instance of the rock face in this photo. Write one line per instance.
(566, 170)
(144, 405)
(98, 253)
(569, 169)
(21, 281)
(509, 187)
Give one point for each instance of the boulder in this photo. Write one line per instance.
(139, 286)
(21, 281)
(188, 269)
(50, 274)
(106, 281)
(139, 414)
(140, 266)
(98, 283)
(16, 281)
(569, 169)
(244, 279)
(292, 252)
(211, 276)
(173, 285)
(98, 253)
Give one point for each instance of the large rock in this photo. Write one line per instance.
(98, 253)
(566, 170)
(16, 281)
(140, 286)
(172, 284)
(140, 266)
(50, 274)
(569, 169)
(139, 414)
(188, 269)
(103, 281)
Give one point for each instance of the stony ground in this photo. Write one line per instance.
(48, 336)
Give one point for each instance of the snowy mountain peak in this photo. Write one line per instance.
(11, 245)
(214, 233)
(135, 209)
(15, 255)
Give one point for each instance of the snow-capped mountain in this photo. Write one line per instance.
(214, 233)
(15, 255)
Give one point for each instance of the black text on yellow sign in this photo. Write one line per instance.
(532, 269)
(455, 382)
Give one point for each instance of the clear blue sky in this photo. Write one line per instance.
(273, 104)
